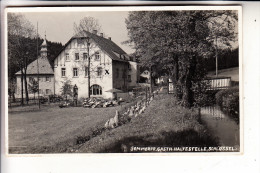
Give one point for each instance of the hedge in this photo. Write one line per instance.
(229, 100)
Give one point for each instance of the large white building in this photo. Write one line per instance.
(110, 67)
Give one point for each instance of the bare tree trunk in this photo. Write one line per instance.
(22, 88)
(13, 96)
(13, 91)
(216, 47)
(151, 80)
(26, 89)
(188, 96)
(176, 69)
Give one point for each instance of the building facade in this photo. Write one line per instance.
(41, 68)
(91, 57)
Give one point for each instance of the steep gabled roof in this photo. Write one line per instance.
(107, 45)
(44, 67)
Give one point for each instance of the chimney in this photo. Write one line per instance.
(94, 32)
(109, 38)
(101, 34)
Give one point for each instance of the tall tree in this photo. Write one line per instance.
(20, 30)
(223, 31)
(178, 41)
(66, 89)
(87, 24)
(33, 86)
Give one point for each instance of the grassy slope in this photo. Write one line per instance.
(163, 124)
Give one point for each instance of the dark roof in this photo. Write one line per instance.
(107, 45)
(44, 67)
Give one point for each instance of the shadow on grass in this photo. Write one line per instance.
(186, 138)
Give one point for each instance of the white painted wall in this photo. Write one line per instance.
(134, 72)
(43, 85)
(105, 80)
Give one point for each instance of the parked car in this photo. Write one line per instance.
(55, 98)
(65, 104)
(43, 99)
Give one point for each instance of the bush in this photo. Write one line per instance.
(229, 100)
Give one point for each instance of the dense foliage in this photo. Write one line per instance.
(229, 100)
(66, 89)
(226, 59)
(22, 50)
(179, 42)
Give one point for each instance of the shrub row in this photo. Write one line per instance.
(229, 100)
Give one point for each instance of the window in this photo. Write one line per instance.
(124, 74)
(129, 67)
(48, 91)
(95, 90)
(76, 56)
(129, 78)
(86, 71)
(99, 71)
(75, 72)
(63, 72)
(48, 79)
(85, 56)
(67, 56)
(97, 56)
(117, 73)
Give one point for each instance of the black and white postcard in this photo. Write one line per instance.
(124, 80)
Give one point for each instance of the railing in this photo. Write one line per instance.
(218, 83)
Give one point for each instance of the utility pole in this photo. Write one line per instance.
(88, 44)
(38, 69)
(216, 47)
(151, 83)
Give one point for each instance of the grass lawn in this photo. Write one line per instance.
(55, 130)
(52, 129)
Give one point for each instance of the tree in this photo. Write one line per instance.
(66, 89)
(33, 86)
(87, 24)
(177, 41)
(223, 31)
(20, 32)
(54, 49)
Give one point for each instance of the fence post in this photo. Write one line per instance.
(145, 96)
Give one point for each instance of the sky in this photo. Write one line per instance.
(59, 25)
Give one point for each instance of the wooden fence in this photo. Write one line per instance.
(219, 83)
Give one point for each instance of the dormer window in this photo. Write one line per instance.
(67, 56)
(97, 56)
